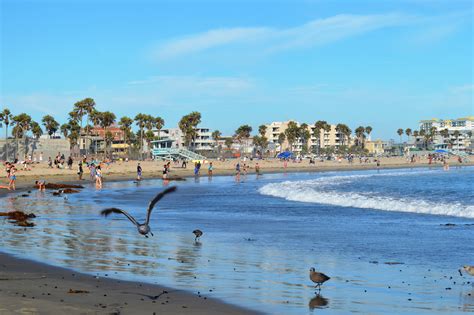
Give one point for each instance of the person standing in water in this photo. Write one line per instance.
(139, 172)
(98, 177)
(210, 169)
(257, 169)
(80, 171)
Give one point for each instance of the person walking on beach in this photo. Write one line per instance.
(139, 172)
(210, 169)
(166, 169)
(80, 171)
(70, 162)
(11, 184)
(98, 177)
(257, 169)
(184, 164)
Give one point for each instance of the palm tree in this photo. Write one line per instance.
(50, 124)
(107, 119)
(400, 133)
(65, 130)
(408, 132)
(36, 130)
(188, 124)
(229, 142)
(281, 140)
(242, 134)
(368, 131)
(23, 122)
(360, 133)
(6, 117)
(159, 123)
(216, 135)
(125, 124)
(304, 135)
(318, 126)
(262, 130)
(94, 117)
(140, 120)
(343, 131)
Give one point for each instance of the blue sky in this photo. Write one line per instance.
(386, 64)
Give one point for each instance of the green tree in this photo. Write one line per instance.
(229, 142)
(125, 124)
(23, 125)
(304, 136)
(400, 133)
(360, 134)
(292, 134)
(318, 126)
(242, 134)
(456, 135)
(262, 130)
(188, 124)
(281, 140)
(7, 118)
(344, 133)
(50, 124)
(368, 130)
(107, 119)
(140, 121)
(36, 130)
(159, 123)
(216, 135)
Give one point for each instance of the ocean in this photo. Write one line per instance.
(380, 235)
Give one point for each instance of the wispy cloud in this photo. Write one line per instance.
(315, 32)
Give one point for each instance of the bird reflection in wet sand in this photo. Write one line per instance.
(144, 228)
(318, 302)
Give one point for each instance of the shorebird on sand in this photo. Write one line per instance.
(198, 234)
(469, 269)
(317, 277)
(144, 228)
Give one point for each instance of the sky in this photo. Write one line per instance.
(387, 64)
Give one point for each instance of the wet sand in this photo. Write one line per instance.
(28, 287)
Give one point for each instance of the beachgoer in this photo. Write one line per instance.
(70, 162)
(11, 184)
(237, 168)
(165, 170)
(139, 172)
(41, 184)
(98, 177)
(257, 169)
(80, 171)
(210, 169)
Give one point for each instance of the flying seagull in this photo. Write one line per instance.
(198, 234)
(317, 277)
(144, 228)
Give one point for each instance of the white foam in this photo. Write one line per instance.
(310, 191)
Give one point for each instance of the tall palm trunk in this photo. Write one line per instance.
(6, 142)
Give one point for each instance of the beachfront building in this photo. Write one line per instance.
(376, 147)
(327, 138)
(175, 137)
(95, 141)
(456, 134)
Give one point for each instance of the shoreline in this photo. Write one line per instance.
(32, 287)
(25, 181)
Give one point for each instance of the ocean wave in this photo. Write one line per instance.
(312, 191)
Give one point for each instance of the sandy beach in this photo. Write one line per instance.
(153, 169)
(29, 287)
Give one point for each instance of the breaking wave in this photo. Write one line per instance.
(321, 190)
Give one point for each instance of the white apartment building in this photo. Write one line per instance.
(464, 125)
(326, 139)
(203, 141)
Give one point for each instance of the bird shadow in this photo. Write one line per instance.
(318, 302)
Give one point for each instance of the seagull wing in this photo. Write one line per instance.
(156, 199)
(108, 211)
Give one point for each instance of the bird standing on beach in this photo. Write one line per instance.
(144, 228)
(469, 269)
(317, 277)
(198, 234)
